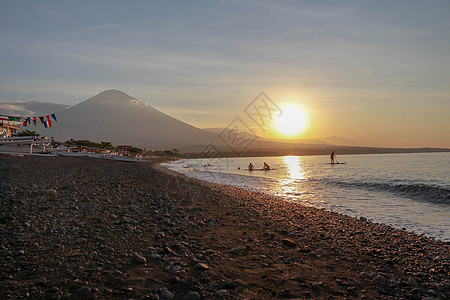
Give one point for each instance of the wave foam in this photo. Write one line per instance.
(430, 193)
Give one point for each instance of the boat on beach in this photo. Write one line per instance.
(29, 145)
(73, 154)
(126, 158)
(26, 145)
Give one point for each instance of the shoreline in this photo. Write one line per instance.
(81, 228)
(408, 203)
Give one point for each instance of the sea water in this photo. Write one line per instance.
(408, 191)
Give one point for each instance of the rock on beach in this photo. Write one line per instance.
(139, 259)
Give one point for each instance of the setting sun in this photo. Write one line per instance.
(292, 121)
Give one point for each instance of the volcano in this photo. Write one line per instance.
(119, 118)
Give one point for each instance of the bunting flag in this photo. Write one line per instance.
(15, 119)
(25, 121)
(49, 122)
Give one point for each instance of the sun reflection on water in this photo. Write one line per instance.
(294, 167)
(291, 185)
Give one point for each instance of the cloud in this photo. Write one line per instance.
(33, 108)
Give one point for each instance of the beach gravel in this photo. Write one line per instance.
(84, 228)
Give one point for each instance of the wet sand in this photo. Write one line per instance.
(84, 228)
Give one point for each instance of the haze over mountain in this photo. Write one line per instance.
(288, 141)
(31, 108)
(116, 117)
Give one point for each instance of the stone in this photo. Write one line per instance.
(193, 296)
(412, 282)
(80, 241)
(235, 251)
(139, 259)
(288, 242)
(167, 250)
(417, 291)
(20, 252)
(380, 279)
(221, 293)
(316, 285)
(313, 254)
(51, 193)
(83, 292)
(155, 256)
(201, 267)
(167, 295)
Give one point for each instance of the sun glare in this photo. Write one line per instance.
(292, 122)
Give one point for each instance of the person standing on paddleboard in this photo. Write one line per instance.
(332, 157)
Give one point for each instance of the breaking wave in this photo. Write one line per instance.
(424, 192)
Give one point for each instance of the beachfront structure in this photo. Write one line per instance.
(123, 149)
(7, 129)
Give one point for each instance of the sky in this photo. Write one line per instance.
(367, 73)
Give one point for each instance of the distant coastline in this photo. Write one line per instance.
(315, 150)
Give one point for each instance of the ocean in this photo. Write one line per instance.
(407, 191)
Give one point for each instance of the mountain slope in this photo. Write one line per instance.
(121, 119)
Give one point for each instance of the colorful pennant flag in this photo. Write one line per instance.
(15, 119)
(48, 121)
(25, 121)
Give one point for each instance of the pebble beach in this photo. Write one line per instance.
(85, 228)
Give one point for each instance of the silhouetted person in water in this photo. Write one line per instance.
(332, 157)
(250, 167)
(266, 167)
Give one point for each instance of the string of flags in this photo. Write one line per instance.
(25, 121)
